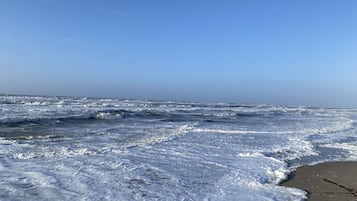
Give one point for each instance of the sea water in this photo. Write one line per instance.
(65, 148)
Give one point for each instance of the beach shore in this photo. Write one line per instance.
(329, 181)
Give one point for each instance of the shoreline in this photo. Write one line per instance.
(327, 181)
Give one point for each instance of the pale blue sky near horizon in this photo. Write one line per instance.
(295, 52)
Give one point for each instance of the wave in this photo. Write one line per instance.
(333, 127)
(62, 119)
(117, 115)
(168, 136)
(70, 116)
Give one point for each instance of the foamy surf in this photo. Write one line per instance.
(62, 148)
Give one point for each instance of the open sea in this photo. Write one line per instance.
(64, 148)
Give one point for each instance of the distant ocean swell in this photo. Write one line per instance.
(115, 116)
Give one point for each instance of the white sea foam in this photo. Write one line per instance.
(256, 180)
(202, 130)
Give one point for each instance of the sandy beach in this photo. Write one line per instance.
(329, 181)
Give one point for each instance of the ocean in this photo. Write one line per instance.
(70, 148)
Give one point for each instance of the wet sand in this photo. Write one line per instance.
(330, 181)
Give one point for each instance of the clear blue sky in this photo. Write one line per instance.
(298, 52)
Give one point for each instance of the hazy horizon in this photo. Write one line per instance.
(249, 52)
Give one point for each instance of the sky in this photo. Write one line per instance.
(291, 52)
